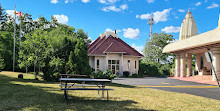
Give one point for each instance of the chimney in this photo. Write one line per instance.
(115, 31)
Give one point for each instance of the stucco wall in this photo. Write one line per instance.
(132, 69)
(92, 61)
(103, 64)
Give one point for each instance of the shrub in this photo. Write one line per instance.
(135, 75)
(126, 73)
(104, 75)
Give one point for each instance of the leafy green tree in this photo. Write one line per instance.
(2, 15)
(81, 57)
(154, 56)
(70, 66)
(153, 50)
(2, 65)
(81, 34)
(6, 49)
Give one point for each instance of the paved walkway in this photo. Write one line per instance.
(173, 85)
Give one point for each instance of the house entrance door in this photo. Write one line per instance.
(113, 65)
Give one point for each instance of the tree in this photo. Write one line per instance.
(2, 15)
(153, 50)
(154, 56)
(32, 50)
(81, 57)
(6, 49)
(81, 34)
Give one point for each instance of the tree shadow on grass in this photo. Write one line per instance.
(30, 97)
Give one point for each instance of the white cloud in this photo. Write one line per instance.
(10, 12)
(115, 9)
(138, 48)
(54, 1)
(158, 16)
(198, 3)
(131, 33)
(161, 16)
(85, 1)
(171, 29)
(181, 10)
(107, 1)
(150, 1)
(111, 8)
(63, 19)
(214, 5)
(67, 1)
(143, 16)
(124, 6)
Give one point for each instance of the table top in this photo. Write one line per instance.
(83, 80)
(73, 75)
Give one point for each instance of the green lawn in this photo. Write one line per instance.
(29, 94)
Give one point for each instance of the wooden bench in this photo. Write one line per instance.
(80, 85)
(72, 75)
(99, 89)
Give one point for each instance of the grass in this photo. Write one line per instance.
(30, 94)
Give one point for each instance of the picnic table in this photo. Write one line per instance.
(71, 75)
(70, 84)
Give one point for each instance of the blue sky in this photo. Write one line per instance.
(129, 17)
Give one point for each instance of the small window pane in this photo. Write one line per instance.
(117, 67)
(113, 61)
(117, 62)
(109, 67)
(109, 62)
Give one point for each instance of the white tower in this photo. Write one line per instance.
(188, 27)
(151, 23)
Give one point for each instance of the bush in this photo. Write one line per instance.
(126, 73)
(104, 75)
(155, 69)
(135, 75)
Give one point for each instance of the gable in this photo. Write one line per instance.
(110, 44)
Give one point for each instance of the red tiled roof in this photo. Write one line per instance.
(111, 45)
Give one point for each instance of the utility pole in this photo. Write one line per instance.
(14, 40)
(151, 23)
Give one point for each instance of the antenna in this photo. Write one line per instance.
(151, 23)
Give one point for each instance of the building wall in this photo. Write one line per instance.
(92, 61)
(132, 69)
(103, 62)
(198, 63)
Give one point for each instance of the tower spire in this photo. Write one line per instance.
(151, 23)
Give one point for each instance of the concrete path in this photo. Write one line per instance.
(173, 85)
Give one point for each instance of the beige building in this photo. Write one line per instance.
(108, 51)
(191, 43)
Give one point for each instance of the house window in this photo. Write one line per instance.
(113, 65)
(128, 64)
(97, 68)
(135, 64)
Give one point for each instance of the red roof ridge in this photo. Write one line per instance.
(94, 43)
(108, 47)
(130, 47)
(105, 38)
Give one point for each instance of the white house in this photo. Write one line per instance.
(108, 51)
